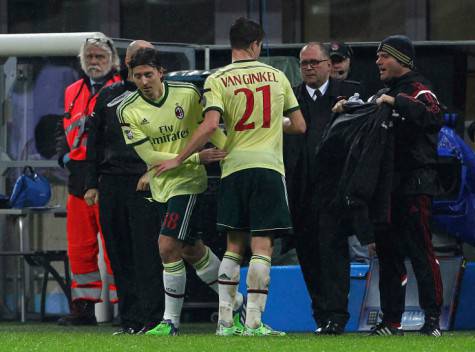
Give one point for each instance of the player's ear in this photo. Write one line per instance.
(160, 72)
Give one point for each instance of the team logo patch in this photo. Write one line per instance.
(335, 46)
(179, 112)
(129, 134)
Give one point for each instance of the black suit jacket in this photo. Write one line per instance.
(299, 150)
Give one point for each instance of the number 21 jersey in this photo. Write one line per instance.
(252, 98)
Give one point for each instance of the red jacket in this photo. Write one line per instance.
(71, 139)
(78, 105)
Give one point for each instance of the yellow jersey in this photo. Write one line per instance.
(159, 130)
(252, 98)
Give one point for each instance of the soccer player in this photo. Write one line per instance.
(158, 121)
(252, 98)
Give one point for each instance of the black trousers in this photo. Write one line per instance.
(409, 236)
(131, 225)
(322, 249)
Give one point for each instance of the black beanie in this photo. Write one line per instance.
(400, 47)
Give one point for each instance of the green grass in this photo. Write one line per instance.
(200, 337)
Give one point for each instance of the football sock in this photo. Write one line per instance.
(228, 279)
(258, 278)
(174, 280)
(207, 269)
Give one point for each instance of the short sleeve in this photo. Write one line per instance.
(130, 130)
(212, 95)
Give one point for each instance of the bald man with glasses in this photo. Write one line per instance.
(316, 96)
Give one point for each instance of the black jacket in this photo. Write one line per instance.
(107, 152)
(354, 169)
(299, 150)
(417, 123)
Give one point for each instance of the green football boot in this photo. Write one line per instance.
(165, 328)
(233, 330)
(262, 330)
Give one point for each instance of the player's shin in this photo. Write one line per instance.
(174, 281)
(207, 269)
(228, 278)
(258, 278)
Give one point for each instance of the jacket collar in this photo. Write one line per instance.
(107, 77)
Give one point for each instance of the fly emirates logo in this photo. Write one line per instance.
(167, 135)
(248, 78)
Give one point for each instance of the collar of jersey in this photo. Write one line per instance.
(246, 60)
(158, 103)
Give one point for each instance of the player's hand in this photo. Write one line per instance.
(385, 99)
(91, 196)
(144, 183)
(339, 106)
(165, 166)
(211, 155)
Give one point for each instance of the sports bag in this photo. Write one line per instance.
(30, 190)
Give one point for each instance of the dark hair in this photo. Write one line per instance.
(145, 56)
(243, 32)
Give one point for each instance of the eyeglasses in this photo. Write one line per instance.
(312, 63)
(100, 40)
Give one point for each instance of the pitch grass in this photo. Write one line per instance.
(200, 337)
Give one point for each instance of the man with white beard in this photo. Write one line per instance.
(100, 63)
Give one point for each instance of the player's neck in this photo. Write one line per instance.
(155, 93)
(241, 54)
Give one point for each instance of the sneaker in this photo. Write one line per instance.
(125, 331)
(262, 330)
(330, 328)
(431, 328)
(82, 313)
(228, 331)
(165, 328)
(239, 316)
(147, 327)
(384, 329)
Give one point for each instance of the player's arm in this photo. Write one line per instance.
(295, 123)
(152, 157)
(218, 138)
(204, 132)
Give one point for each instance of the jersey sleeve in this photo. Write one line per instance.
(218, 138)
(212, 95)
(290, 101)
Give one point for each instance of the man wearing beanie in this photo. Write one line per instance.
(417, 121)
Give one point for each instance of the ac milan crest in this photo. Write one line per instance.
(179, 112)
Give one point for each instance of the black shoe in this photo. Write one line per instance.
(431, 328)
(330, 328)
(126, 331)
(82, 313)
(384, 329)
